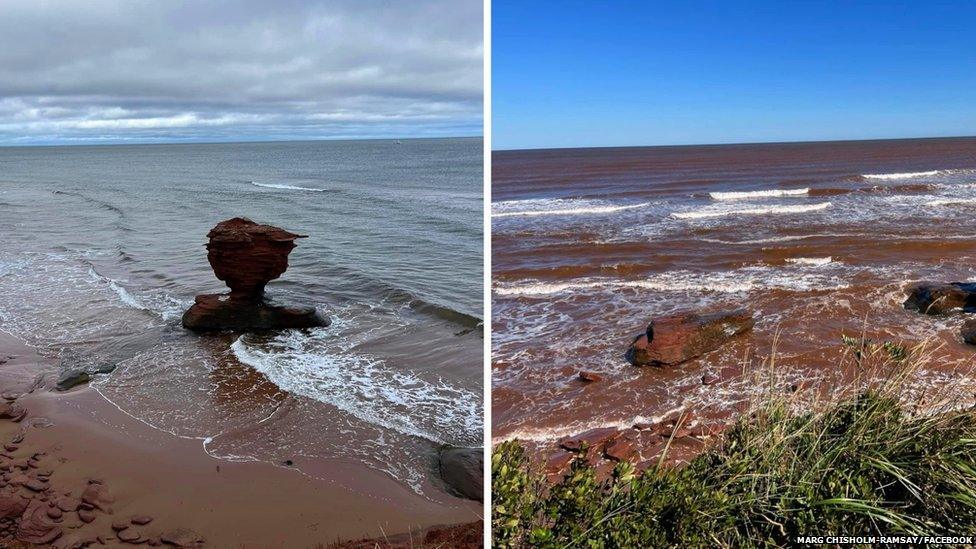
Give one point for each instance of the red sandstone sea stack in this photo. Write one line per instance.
(246, 256)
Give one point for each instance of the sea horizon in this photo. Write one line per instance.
(737, 143)
(236, 141)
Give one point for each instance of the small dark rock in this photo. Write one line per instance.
(182, 538)
(462, 470)
(72, 378)
(968, 331)
(589, 377)
(36, 485)
(131, 535)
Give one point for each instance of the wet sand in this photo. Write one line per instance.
(175, 482)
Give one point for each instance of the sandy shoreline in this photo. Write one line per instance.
(174, 481)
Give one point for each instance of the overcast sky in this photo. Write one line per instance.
(99, 71)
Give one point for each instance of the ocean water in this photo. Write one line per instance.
(819, 240)
(102, 250)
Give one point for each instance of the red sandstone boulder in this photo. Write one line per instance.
(246, 256)
(936, 298)
(675, 339)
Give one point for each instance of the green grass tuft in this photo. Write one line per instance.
(859, 465)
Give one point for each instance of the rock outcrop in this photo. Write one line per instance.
(936, 298)
(462, 470)
(246, 256)
(675, 339)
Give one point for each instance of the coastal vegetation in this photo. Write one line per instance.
(866, 460)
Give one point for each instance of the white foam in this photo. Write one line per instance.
(579, 210)
(311, 365)
(775, 239)
(905, 175)
(546, 434)
(815, 261)
(951, 202)
(778, 210)
(286, 187)
(119, 290)
(159, 302)
(768, 193)
(723, 282)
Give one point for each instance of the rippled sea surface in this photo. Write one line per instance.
(819, 240)
(102, 249)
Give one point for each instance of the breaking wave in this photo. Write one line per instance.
(905, 175)
(814, 261)
(558, 206)
(768, 193)
(286, 187)
(319, 366)
(736, 281)
(709, 213)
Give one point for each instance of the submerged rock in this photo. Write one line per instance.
(78, 369)
(936, 298)
(463, 471)
(675, 339)
(246, 256)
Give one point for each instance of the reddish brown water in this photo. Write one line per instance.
(590, 244)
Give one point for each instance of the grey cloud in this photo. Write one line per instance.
(145, 70)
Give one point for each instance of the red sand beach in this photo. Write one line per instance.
(77, 444)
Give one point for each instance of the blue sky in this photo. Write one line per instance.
(578, 74)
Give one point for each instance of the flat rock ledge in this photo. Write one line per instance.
(216, 312)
